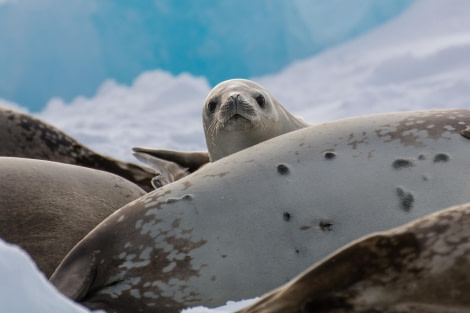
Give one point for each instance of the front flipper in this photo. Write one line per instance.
(191, 161)
(75, 275)
(166, 171)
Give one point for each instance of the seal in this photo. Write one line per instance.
(47, 207)
(237, 114)
(423, 266)
(22, 135)
(212, 236)
(240, 113)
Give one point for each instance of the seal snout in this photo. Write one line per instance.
(235, 108)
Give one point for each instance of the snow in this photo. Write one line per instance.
(416, 61)
(25, 289)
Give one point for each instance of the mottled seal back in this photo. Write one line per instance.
(253, 220)
(22, 135)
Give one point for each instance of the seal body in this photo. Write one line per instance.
(423, 266)
(47, 207)
(251, 221)
(24, 136)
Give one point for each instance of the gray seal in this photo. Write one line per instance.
(47, 207)
(423, 267)
(250, 222)
(22, 135)
(240, 113)
(237, 114)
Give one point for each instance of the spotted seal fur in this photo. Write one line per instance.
(421, 267)
(22, 135)
(212, 236)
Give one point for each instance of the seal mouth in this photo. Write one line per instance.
(238, 122)
(237, 117)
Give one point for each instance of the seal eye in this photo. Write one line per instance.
(212, 106)
(261, 101)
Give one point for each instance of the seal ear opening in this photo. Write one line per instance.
(75, 276)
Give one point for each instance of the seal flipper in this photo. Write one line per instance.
(167, 171)
(191, 161)
(74, 278)
(170, 165)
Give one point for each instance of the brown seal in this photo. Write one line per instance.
(22, 135)
(47, 207)
(423, 266)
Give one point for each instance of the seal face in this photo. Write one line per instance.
(239, 113)
(423, 266)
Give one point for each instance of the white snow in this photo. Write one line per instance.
(24, 289)
(419, 60)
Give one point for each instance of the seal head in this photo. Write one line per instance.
(239, 113)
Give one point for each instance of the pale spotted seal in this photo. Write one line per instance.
(237, 114)
(212, 236)
(423, 266)
(47, 207)
(22, 135)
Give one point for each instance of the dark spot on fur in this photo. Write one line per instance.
(286, 216)
(297, 251)
(441, 157)
(406, 199)
(282, 169)
(421, 157)
(329, 155)
(325, 226)
(304, 227)
(223, 256)
(402, 163)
